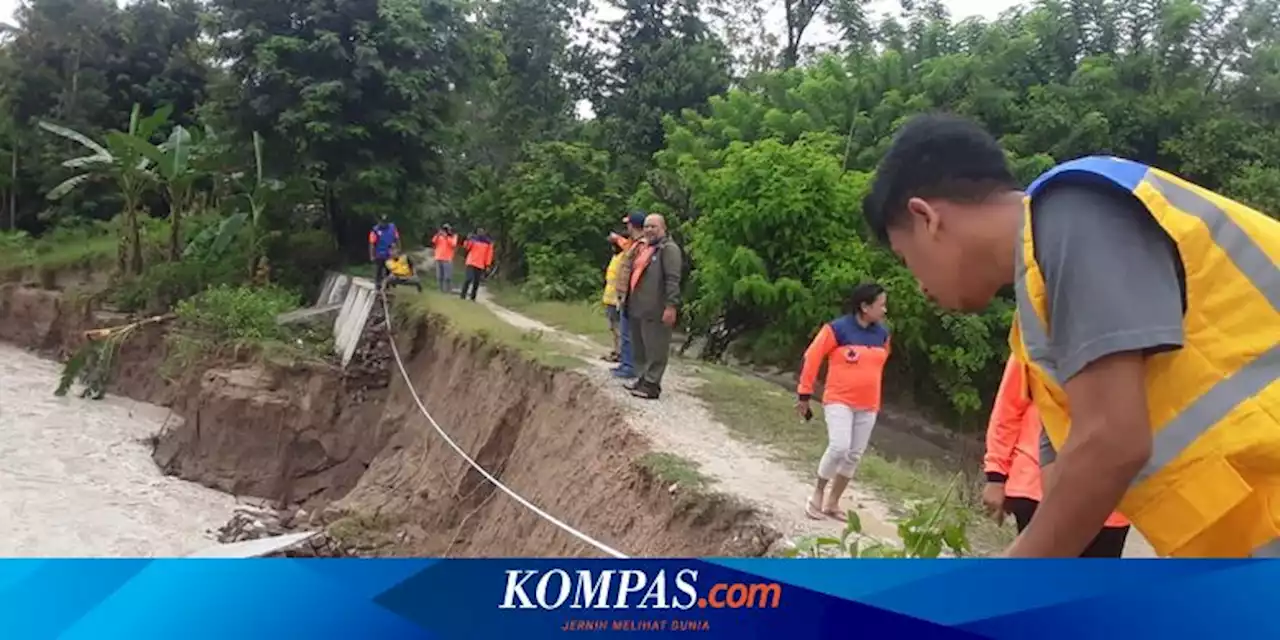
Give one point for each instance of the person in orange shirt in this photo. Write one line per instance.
(444, 243)
(1013, 465)
(855, 348)
(479, 248)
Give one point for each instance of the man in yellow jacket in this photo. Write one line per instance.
(610, 297)
(1149, 319)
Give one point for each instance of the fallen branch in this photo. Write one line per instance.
(94, 362)
(107, 332)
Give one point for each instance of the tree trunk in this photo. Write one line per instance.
(13, 185)
(175, 232)
(135, 239)
(134, 233)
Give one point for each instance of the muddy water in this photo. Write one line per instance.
(76, 478)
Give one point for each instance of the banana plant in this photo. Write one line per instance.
(176, 163)
(120, 159)
(258, 196)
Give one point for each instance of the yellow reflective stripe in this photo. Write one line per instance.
(1212, 406)
(1248, 257)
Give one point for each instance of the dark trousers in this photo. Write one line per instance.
(474, 276)
(1109, 542)
(379, 271)
(650, 349)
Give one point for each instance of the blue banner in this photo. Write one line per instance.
(726, 598)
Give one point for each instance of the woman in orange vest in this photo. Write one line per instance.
(444, 243)
(854, 348)
(1012, 464)
(479, 247)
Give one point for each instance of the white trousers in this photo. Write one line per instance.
(848, 432)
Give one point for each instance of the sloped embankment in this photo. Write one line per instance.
(353, 449)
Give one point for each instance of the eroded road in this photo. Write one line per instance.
(76, 476)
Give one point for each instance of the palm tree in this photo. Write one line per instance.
(121, 160)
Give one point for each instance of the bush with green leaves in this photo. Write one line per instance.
(769, 218)
(562, 203)
(217, 254)
(236, 313)
(930, 527)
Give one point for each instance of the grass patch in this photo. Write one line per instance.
(471, 318)
(51, 255)
(359, 270)
(227, 319)
(761, 412)
(585, 318)
(671, 469)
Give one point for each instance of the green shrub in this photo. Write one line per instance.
(300, 259)
(17, 247)
(163, 283)
(228, 313)
(554, 275)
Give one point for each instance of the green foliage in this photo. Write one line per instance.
(356, 96)
(93, 364)
(930, 528)
(227, 313)
(442, 110)
(561, 201)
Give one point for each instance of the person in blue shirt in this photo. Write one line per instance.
(384, 242)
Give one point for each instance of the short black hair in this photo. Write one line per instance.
(865, 293)
(935, 155)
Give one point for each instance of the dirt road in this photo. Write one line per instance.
(77, 478)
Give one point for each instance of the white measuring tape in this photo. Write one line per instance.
(395, 352)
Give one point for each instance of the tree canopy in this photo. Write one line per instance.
(306, 119)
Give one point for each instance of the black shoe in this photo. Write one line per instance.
(633, 385)
(647, 391)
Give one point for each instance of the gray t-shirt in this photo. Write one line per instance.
(1113, 280)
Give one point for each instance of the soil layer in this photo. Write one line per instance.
(352, 447)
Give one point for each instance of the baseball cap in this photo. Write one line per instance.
(635, 219)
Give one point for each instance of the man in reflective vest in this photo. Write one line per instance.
(384, 241)
(1148, 314)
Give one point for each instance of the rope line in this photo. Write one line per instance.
(395, 352)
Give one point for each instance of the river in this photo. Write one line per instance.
(77, 479)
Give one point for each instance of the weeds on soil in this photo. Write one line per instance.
(930, 527)
(674, 470)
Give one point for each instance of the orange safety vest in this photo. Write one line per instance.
(444, 246)
(640, 263)
(1013, 440)
(479, 253)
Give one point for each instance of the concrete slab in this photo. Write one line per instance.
(307, 313)
(255, 548)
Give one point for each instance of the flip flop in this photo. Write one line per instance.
(813, 512)
(834, 515)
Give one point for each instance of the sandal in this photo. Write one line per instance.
(813, 512)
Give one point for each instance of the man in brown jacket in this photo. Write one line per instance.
(652, 300)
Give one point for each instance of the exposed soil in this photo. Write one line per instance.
(682, 425)
(354, 450)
